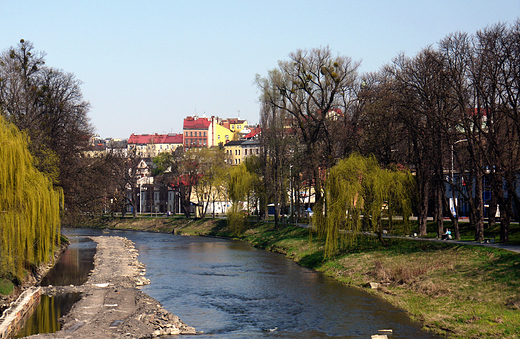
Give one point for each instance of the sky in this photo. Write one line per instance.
(146, 65)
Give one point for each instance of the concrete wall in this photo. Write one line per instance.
(15, 316)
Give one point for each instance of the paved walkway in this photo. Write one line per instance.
(512, 248)
(507, 247)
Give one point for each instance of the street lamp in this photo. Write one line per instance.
(290, 187)
(140, 199)
(452, 145)
(455, 208)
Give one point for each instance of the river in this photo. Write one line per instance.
(228, 289)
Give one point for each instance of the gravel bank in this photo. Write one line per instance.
(112, 306)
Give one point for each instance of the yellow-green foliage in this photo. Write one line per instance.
(239, 183)
(29, 205)
(235, 220)
(358, 186)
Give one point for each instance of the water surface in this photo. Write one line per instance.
(229, 289)
(72, 268)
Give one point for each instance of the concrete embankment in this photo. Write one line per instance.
(112, 306)
(15, 316)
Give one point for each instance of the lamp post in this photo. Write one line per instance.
(290, 188)
(455, 208)
(452, 145)
(140, 199)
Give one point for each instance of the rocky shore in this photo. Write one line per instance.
(112, 306)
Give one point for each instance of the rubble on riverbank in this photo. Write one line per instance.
(112, 306)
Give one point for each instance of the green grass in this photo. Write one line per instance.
(467, 232)
(455, 290)
(6, 286)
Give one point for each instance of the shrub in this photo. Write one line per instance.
(6, 286)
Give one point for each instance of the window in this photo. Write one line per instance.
(245, 152)
(204, 133)
(186, 133)
(227, 137)
(191, 134)
(218, 137)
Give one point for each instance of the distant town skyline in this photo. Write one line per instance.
(147, 65)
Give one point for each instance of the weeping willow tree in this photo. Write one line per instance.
(240, 182)
(359, 195)
(29, 206)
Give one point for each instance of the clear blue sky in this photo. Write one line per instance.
(148, 64)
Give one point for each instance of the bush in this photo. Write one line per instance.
(236, 221)
(6, 286)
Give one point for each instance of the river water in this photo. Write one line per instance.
(228, 289)
(72, 268)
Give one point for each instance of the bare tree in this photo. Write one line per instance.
(424, 108)
(316, 90)
(48, 105)
(277, 144)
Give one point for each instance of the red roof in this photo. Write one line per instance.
(156, 139)
(475, 111)
(196, 123)
(254, 132)
(186, 180)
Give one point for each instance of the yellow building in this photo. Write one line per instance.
(209, 132)
(228, 129)
(236, 151)
(235, 125)
(221, 135)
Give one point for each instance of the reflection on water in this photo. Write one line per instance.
(72, 268)
(74, 265)
(229, 289)
(48, 312)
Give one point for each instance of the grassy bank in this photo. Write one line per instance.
(459, 291)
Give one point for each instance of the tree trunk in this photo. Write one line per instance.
(423, 208)
(507, 211)
(492, 210)
(504, 227)
(454, 218)
(479, 204)
(133, 203)
(439, 195)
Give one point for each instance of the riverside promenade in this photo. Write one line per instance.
(507, 247)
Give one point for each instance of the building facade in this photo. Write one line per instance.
(196, 132)
(238, 150)
(150, 145)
